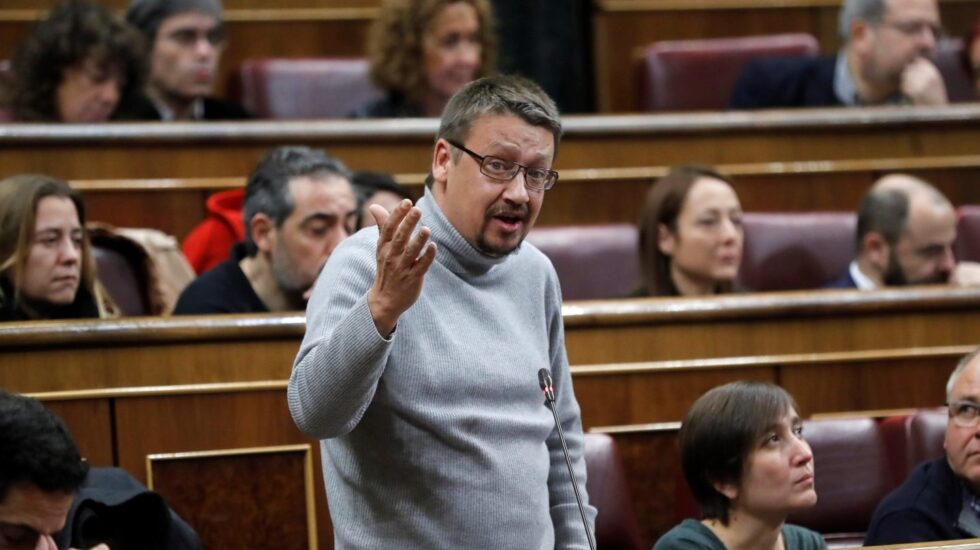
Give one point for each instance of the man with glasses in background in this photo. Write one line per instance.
(887, 58)
(185, 40)
(424, 338)
(940, 500)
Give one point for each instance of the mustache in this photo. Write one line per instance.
(521, 211)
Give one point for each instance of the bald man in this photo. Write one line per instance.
(905, 234)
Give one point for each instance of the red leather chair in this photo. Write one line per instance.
(787, 251)
(690, 75)
(592, 261)
(967, 245)
(959, 87)
(852, 472)
(616, 527)
(303, 88)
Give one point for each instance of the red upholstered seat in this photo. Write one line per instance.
(689, 75)
(616, 527)
(967, 246)
(853, 473)
(926, 432)
(592, 261)
(303, 88)
(959, 88)
(786, 251)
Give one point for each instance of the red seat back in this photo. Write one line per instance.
(967, 246)
(615, 527)
(303, 88)
(592, 261)
(689, 75)
(786, 251)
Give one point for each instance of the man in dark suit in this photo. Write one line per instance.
(939, 499)
(185, 40)
(905, 234)
(886, 59)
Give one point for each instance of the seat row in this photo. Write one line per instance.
(782, 251)
(858, 460)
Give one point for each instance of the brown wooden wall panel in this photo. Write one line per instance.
(208, 150)
(583, 196)
(623, 28)
(90, 424)
(263, 495)
(201, 422)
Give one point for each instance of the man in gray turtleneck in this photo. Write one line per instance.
(419, 365)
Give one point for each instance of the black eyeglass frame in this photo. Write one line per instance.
(482, 159)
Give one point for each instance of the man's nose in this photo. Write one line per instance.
(516, 189)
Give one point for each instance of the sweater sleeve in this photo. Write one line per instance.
(565, 515)
(342, 356)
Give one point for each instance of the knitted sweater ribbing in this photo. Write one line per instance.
(438, 436)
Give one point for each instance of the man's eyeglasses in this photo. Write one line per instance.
(915, 28)
(964, 413)
(187, 38)
(503, 170)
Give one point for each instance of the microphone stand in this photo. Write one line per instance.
(544, 379)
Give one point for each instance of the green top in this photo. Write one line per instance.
(691, 534)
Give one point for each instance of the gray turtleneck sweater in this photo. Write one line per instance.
(438, 437)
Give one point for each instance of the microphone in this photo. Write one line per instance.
(544, 380)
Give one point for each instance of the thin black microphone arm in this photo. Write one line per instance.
(544, 380)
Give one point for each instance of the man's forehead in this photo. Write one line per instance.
(931, 218)
(912, 9)
(506, 129)
(967, 385)
(26, 504)
(191, 19)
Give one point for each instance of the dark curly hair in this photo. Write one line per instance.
(395, 43)
(74, 31)
(36, 447)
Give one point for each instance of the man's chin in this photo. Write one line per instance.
(498, 249)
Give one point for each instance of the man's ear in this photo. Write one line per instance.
(262, 228)
(862, 35)
(441, 158)
(876, 250)
(666, 241)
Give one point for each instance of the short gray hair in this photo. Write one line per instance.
(960, 367)
(267, 190)
(872, 11)
(498, 95)
(146, 15)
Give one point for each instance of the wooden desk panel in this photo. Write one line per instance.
(768, 324)
(177, 422)
(90, 424)
(583, 196)
(207, 150)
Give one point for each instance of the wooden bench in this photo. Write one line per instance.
(582, 196)
(231, 149)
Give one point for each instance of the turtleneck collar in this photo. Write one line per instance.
(452, 250)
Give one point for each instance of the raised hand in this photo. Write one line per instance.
(922, 83)
(403, 260)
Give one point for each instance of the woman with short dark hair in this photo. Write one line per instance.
(748, 466)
